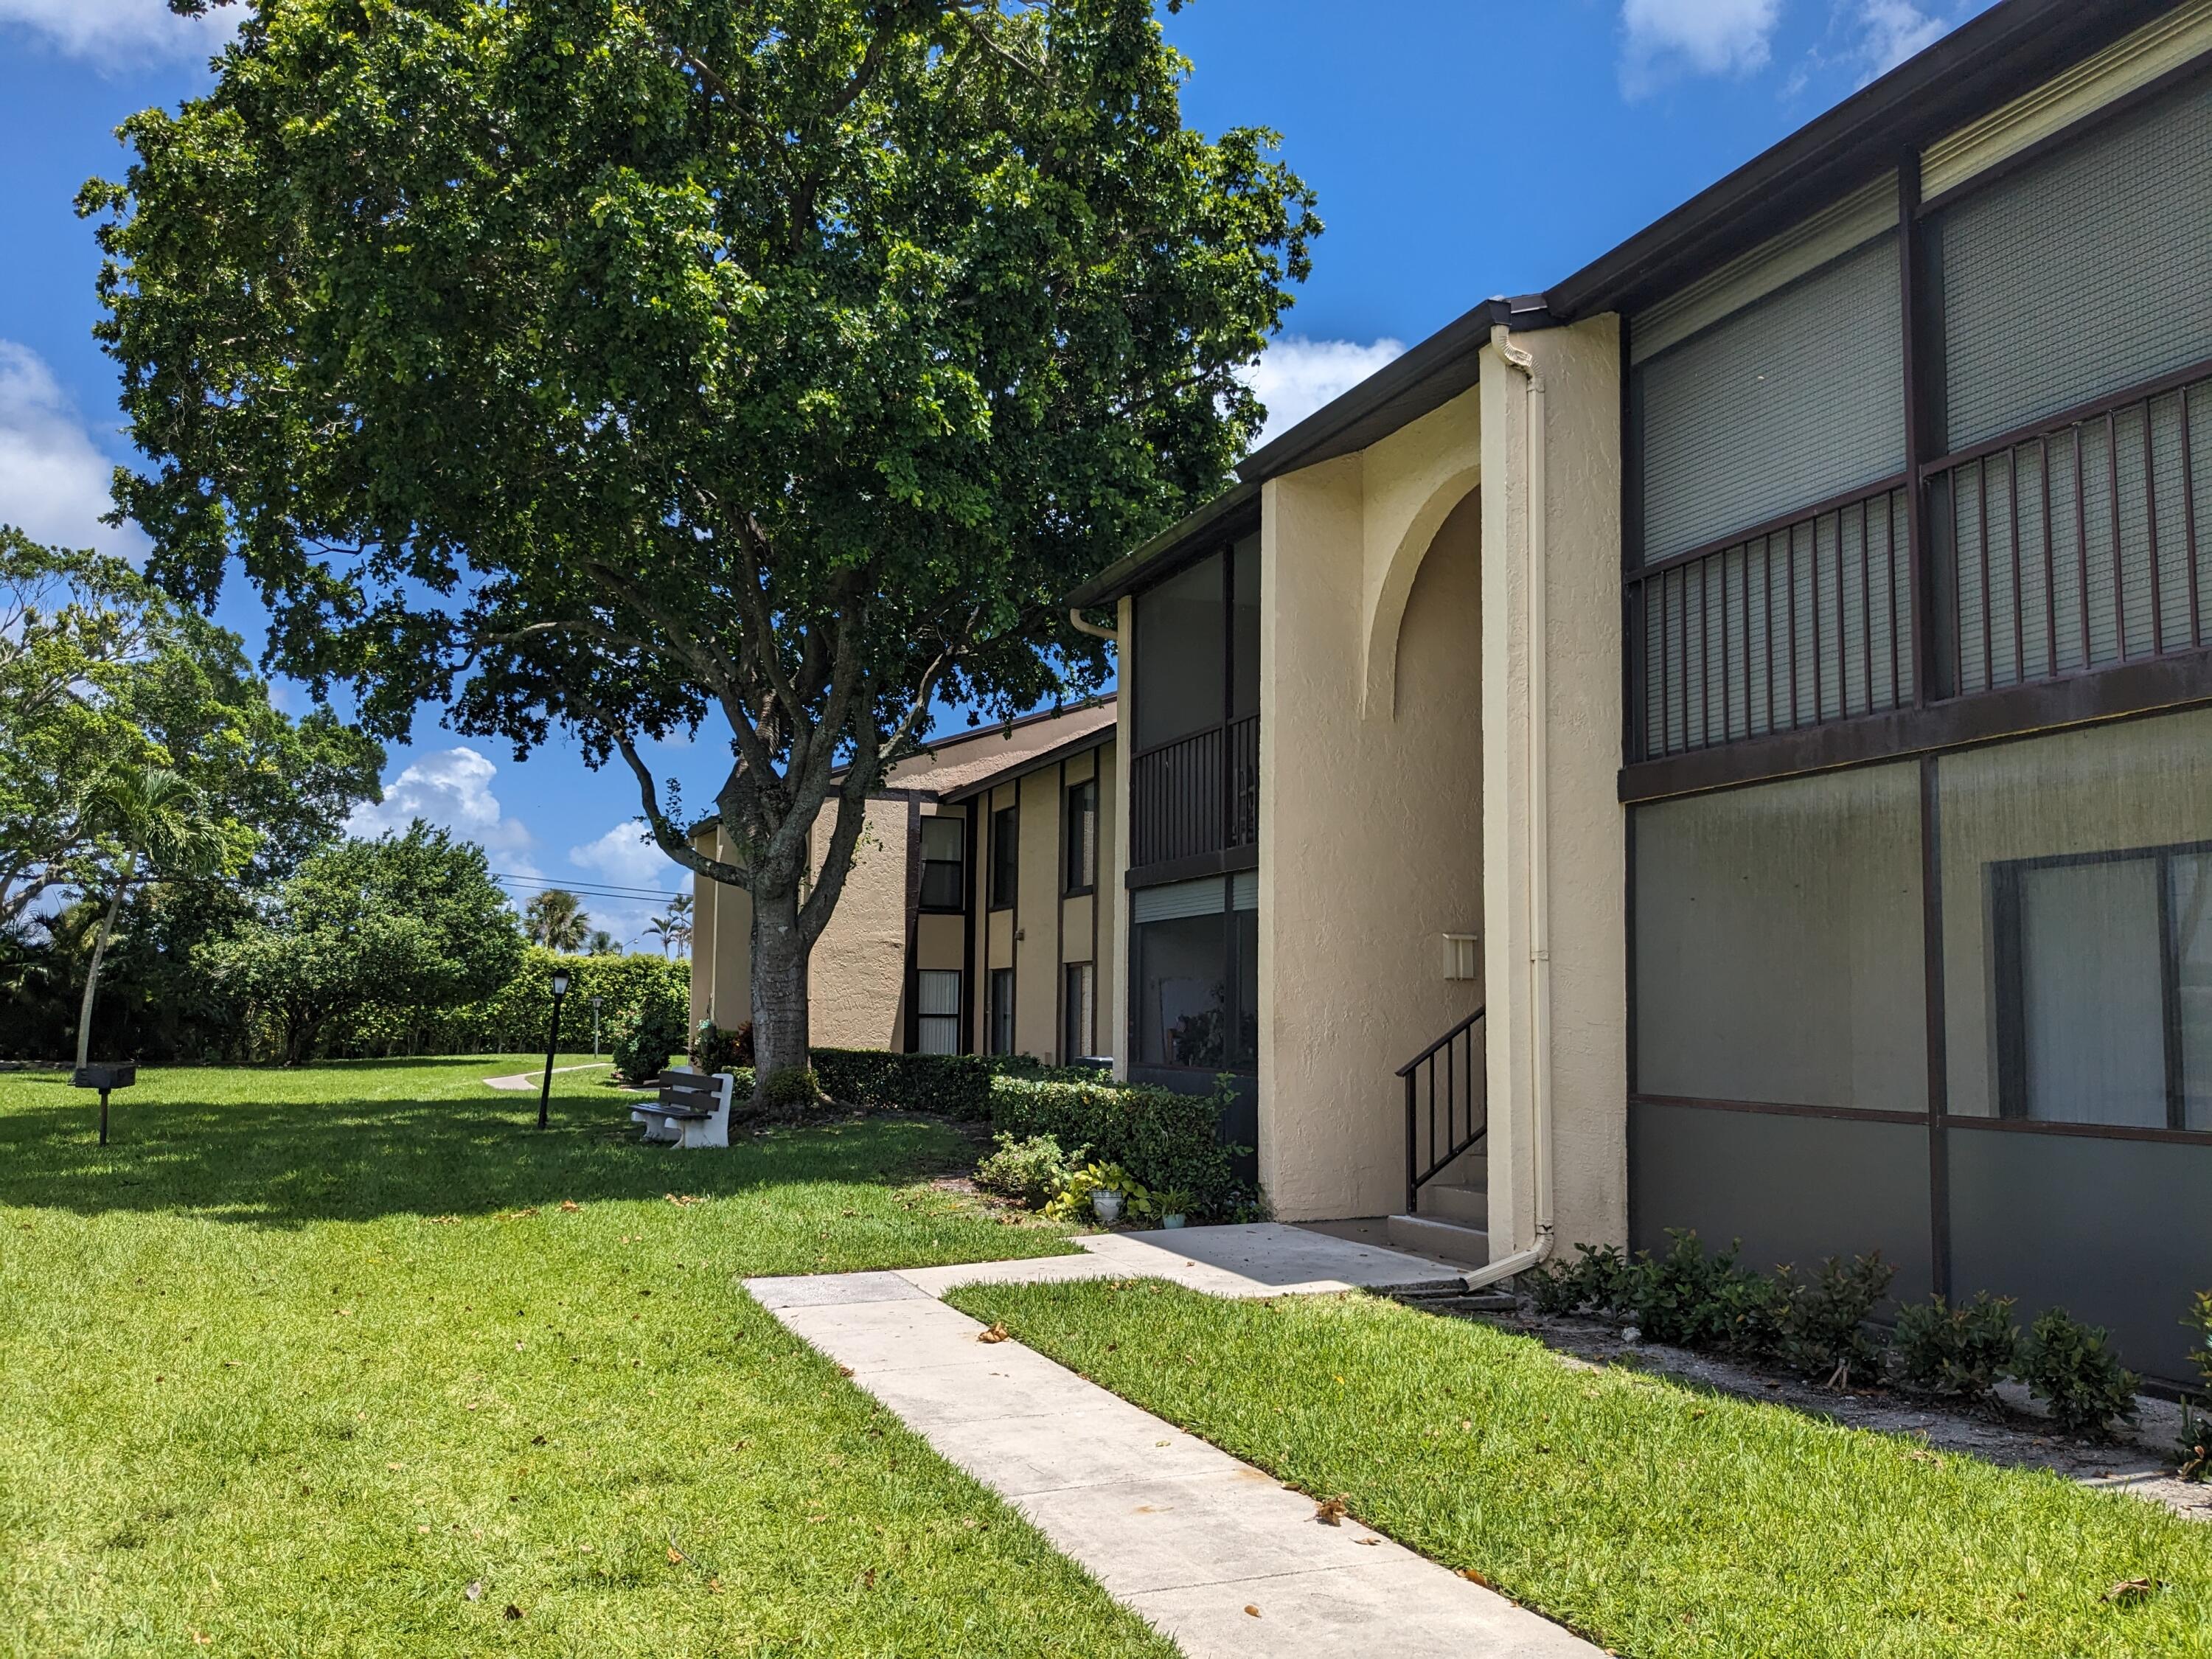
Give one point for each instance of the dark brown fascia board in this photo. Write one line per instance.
(1234, 512)
(1399, 392)
(1978, 67)
(1042, 758)
(981, 732)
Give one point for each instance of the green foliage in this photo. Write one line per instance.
(1961, 1351)
(556, 919)
(1161, 1138)
(1074, 1201)
(2071, 1368)
(645, 1035)
(104, 684)
(791, 1091)
(599, 368)
(1592, 1280)
(402, 921)
(714, 1049)
(1820, 1323)
(2196, 1444)
(951, 1085)
(1030, 1172)
(1677, 1298)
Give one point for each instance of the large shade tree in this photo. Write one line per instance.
(616, 367)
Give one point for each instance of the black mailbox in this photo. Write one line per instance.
(111, 1074)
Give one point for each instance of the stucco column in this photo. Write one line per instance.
(1588, 1058)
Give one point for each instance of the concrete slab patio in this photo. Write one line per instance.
(1212, 1550)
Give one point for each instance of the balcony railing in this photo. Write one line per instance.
(2075, 545)
(1791, 624)
(2068, 546)
(1195, 795)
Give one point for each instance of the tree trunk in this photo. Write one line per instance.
(780, 953)
(100, 951)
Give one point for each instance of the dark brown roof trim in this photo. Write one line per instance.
(1234, 512)
(1978, 67)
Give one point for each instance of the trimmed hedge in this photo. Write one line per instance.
(951, 1085)
(1167, 1140)
(1164, 1140)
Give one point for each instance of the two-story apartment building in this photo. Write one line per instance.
(975, 919)
(1727, 742)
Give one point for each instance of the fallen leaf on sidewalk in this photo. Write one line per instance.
(1368, 1540)
(1249, 1609)
(1474, 1577)
(1330, 1511)
(996, 1334)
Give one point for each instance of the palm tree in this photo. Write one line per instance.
(602, 944)
(674, 929)
(155, 822)
(556, 920)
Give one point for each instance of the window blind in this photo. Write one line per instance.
(1202, 897)
(1794, 399)
(2084, 273)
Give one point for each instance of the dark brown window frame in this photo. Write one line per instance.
(1079, 852)
(959, 866)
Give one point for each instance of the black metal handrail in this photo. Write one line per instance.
(1454, 1061)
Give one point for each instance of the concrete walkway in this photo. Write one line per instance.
(1210, 1550)
(533, 1080)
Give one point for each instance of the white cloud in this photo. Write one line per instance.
(120, 33)
(1891, 31)
(1663, 39)
(451, 788)
(1298, 376)
(624, 857)
(53, 478)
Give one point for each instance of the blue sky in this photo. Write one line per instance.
(1460, 148)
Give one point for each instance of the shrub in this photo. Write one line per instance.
(792, 1091)
(2071, 1368)
(714, 1049)
(1821, 1323)
(1162, 1138)
(1593, 1280)
(1680, 1297)
(1960, 1351)
(2196, 1431)
(1073, 1198)
(951, 1085)
(1030, 1172)
(645, 1036)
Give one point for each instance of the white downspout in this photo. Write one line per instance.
(1083, 625)
(1540, 823)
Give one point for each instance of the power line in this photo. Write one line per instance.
(587, 890)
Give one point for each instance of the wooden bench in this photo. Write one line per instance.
(692, 1108)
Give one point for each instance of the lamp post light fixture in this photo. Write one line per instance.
(596, 1001)
(552, 1041)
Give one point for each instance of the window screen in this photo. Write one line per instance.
(2084, 273)
(1796, 399)
(1081, 826)
(1002, 1011)
(937, 992)
(1077, 1012)
(1181, 650)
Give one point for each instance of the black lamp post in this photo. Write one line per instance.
(552, 1041)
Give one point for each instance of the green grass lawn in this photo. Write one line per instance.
(1658, 1519)
(354, 1360)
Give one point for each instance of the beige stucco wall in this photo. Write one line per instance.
(1581, 369)
(856, 982)
(2105, 788)
(1370, 806)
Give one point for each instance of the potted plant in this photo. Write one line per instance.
(1174, 1207)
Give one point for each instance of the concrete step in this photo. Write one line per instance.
(1447, 1241)
(1463, 1204)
